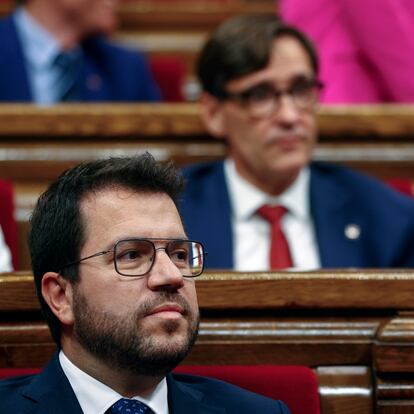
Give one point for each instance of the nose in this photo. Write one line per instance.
(287, 114)
(164, 274)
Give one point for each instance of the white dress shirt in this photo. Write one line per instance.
(94, 397)
(5, 255)
(251, 232)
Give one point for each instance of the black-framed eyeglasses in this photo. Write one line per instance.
(263, 100)
(136, 256)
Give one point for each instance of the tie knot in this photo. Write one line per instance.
(129, 406)
(272, 214)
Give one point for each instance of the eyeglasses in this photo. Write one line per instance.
(263, 100)
(136, 257)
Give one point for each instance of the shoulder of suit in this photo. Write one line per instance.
(359, 184)
(203, 169)
(11, 390)
(110, 48)
(219, 392)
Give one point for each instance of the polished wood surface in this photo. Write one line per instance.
(337, 322)
(240, 291)
(142, 16)
(38, 143)
(336, 123)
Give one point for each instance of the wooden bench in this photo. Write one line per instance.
(355, 329)
(37, 144)
(141, 16)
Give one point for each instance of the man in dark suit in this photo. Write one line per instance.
(114, 273)
(260, 82)
(55, 51)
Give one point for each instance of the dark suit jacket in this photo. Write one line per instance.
(110, 73)
(50, 393)
(339, 197)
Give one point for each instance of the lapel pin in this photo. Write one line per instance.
(94, 82)
(352, 231)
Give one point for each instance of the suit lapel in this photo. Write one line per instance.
(95, 85)
(182, 398)
(207, 214)
(50, 392)
(221, 244)
(338, 225)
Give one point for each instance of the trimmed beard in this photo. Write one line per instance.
(124, 344)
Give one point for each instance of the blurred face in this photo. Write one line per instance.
(91, 16)
(270, 150)
(145, 325)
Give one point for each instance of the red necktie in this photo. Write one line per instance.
(279, 249)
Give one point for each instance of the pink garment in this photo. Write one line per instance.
(366, 47)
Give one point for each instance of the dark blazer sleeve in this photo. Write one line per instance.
(46, 392)
(201, 395)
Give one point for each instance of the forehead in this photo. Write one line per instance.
(288, 60)
(112, 214)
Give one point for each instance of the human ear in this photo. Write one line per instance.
(57, 293)
(212, 115)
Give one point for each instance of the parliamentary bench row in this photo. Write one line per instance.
(141, 16)
(38, 143)
(354, 329)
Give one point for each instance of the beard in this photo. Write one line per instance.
(123, 343)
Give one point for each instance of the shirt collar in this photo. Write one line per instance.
(39, 46)
(245, 198)
(94, 397)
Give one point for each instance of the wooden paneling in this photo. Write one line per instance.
(143, 16)
(239, 291)
(394, 351)
(346, 389)
(38, 143)
(310, 318)
(337, 124)
(376, 290)
(394, 364)
(17, 293)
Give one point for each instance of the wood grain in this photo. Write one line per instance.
(310, 318)
(339, 123)
(335, 289)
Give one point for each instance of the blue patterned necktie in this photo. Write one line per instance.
(68, 65)
(128, 406)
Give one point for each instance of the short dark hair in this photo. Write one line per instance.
(57, 229)
(242, 45)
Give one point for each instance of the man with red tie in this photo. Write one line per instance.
(267, 205)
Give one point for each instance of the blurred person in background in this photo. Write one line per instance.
(55, 51)
(267, 205)
(366, 48)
